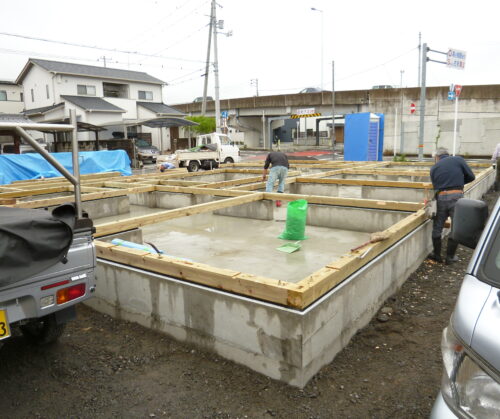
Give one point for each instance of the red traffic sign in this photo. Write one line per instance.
(458, 89)
(413, 108)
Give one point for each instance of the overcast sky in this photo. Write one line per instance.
(277, 42)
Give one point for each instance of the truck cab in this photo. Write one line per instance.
(471, 343)
(228, 151)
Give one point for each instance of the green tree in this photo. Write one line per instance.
(205, 125)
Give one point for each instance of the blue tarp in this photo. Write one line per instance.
(34, 166)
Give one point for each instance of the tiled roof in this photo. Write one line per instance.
(91, 103)
(42, 110)
(92, 71)
(159, 108)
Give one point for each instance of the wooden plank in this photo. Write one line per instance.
(348, 202)
(367, 182)
(267, 289)
(201, 191)
(136, 222)
(61, 178)
(316, 285)
(34, 192)
(85, 197)
(181, 183)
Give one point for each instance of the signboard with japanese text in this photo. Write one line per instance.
(455, 59)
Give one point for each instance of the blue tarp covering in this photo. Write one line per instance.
(34, 166)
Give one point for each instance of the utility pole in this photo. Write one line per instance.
(419, 56)
(401, 132)
(255, 82)
(422, 104)
(216, 71)
(333, 108)
(104, 60)
(207, 66)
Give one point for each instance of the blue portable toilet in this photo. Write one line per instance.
(364, 137)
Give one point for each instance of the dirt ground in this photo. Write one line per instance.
(104, 368)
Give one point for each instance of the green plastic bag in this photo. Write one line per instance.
(296, 214)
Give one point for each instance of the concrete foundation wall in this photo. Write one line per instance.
(104, 207)
(284, 344)
(360, 191)
(355, 219)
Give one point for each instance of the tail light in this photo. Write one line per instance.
(70, 293)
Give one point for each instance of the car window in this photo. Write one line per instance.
(142, 143)
(489, 270)
(224, 140)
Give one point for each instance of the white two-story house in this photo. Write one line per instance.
(115, 102)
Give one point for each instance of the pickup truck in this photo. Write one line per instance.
(47, 258)
(210, 151)
(47, 262)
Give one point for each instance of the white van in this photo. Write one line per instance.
(471, 343)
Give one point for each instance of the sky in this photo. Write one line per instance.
(280, 43)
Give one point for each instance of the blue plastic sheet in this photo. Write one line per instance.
(33, 166)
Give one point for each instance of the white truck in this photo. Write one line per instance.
(211, 150)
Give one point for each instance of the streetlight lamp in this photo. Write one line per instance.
(314, 9)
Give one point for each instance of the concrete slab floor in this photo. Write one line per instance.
(247, 245)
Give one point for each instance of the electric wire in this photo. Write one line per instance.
(98, 48)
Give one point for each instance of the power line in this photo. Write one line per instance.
(68, 57)
(97, 48)
(157, 25)
(377, 66)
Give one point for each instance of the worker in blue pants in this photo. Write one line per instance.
(279, 171)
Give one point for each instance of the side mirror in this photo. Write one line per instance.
(469, 219)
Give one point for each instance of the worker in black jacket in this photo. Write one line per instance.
(448, 176)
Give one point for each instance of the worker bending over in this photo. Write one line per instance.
(279, 171)
(448, 176)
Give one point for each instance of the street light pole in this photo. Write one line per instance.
(333, 109)
(322, 43)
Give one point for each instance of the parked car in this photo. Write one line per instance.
(471, 343)
(200, 99)
(310, 90)
(145, 151)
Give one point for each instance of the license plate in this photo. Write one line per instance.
(4, 325)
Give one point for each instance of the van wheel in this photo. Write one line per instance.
(193, 166)
(43, 331)
(228, 160)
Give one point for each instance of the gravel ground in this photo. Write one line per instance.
(104, 368)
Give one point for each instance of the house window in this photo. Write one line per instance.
(83, 89)
(145, 94)
(32, 95)
(47, 90)
(3, 95)
(115, 90)
(21, 95)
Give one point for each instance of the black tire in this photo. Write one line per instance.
(43, 331)
(193, 166)
(228, 160)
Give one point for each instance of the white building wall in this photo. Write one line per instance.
(39, 80)
(13, 104)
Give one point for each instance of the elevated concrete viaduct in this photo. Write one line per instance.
(478, 116)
